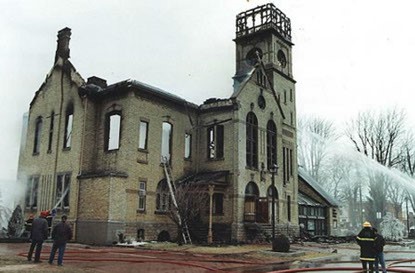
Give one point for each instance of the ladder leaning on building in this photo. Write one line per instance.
(182, 224)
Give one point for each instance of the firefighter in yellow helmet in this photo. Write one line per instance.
(366, 241)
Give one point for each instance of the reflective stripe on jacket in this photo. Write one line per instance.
(366, 241)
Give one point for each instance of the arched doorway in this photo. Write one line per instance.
(251, 202)
(272, 190)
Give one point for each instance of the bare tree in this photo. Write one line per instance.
(379, 137)
(408, 163)
(315, 133)
(397, 195)
(191, 200)
(337, 171)
(378, 191)
(350, 193)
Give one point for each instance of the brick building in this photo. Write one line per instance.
(93, 151)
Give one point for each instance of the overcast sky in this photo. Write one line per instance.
(349, 55)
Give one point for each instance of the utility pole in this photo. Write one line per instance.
(273, 170)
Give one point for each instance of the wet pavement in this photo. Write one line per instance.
(251, 259)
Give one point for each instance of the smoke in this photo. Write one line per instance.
(12, 193)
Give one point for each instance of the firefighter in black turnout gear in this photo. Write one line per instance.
(366, 241)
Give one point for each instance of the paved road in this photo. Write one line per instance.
(80, 258)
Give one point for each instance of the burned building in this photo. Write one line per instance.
(105, 154)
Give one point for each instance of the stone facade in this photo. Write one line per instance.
(115, 190)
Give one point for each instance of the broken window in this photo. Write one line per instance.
(68, 127)
(187, 146)
(32, 192)
(142, 196)
(261, 78)
(52, 120)
(62, 191)
(113, 131)
(38, 132)
(271, 144)
(166, 141)
(251, 140)
(162, 196)
(215, 140)
(218, 203)
(143, 134)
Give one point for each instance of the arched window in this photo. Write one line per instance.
(162, 196)
(251, 200)
(251, 140)
(68, 127)
(251, 189)
(113, 131)
(38, 132)
(272, 191)
(271, 144)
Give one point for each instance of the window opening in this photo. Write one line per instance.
(38, 131)
(62, 190)
(215, 141)
(187, 146)
(166, 141)
(142, 196)
(68, 127)
(113, 131)
(52, 121)
(162, 196)
(32, 192)
(218, 203)
(251, 140)
(271, 144)
(143, 135)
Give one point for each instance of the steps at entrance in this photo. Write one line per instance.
(259, 232)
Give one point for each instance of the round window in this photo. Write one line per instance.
(281, 58)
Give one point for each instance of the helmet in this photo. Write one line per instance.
(367, 224)
(44, 213)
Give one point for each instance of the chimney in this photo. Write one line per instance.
(97, 81)
(64, 35)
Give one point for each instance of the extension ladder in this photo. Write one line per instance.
(172, 188)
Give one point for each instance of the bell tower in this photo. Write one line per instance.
(266, 31)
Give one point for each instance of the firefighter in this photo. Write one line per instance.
(366, 241)
(38, 234)
(28, 225)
